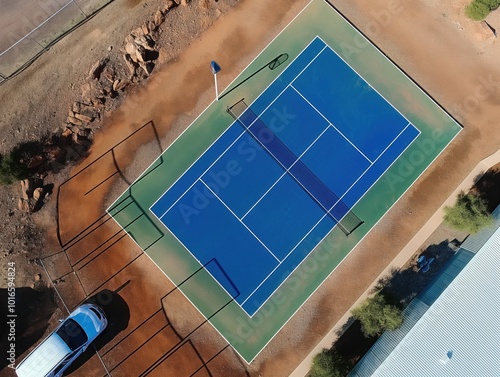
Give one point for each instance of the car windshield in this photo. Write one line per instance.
(72, 334)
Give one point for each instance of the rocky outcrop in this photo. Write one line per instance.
(33, 195)
(107, 78)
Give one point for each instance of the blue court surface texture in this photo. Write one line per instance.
(272, 186)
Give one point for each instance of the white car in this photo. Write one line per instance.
(71, 338)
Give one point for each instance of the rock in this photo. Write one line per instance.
(97, 68)
(77, 107)
(110, 48)
(74, 120)
(119, 85)
(86, 133)
(177, 2)
(25, 189)
(38, 193)
(109, 73)
(38, 277)
(158, 18)
(86, 90)
(57, 154)
(84, 118)
(140, 54)
(204, 4)
(98, 103)
(147, 67)
(138, 32)
(22, 205)
(71, 113)
(67, 132)
(184, 2)
(66, 136)
(169, 4)
(36, 161)
(146, 42)
(130, 64)
(130, 48)
(151, 26)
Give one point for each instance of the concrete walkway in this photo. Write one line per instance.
(406, 253)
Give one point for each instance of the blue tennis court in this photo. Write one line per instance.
(284, 174)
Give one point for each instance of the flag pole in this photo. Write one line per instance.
(216, 89)
(214, 67)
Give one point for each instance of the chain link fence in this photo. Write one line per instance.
(29, 28)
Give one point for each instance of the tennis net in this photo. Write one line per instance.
(299, 171)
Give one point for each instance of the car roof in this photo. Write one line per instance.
(44, 357)
(87, 319)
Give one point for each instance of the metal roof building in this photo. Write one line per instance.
(452, 328)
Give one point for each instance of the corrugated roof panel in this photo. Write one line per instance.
(474, 242)
(445, 276)
(465, 320)
(388, 341)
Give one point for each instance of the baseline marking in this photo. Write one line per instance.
(386, 148)
(331, 124)
(362, 78)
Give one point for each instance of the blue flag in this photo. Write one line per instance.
(214, 67)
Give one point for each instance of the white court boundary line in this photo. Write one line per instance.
(327, 211)
(358, 33)
(289, 85)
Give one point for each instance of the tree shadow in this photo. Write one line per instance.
(401, 286)
(353, 344)
(488, 188)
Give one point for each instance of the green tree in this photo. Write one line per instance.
(479, 9)
(470, 213)
(11, 170)
(376, 315)
(14, 165)
(492, 4)
(328, 363)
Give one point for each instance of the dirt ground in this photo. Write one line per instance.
(430, 40)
